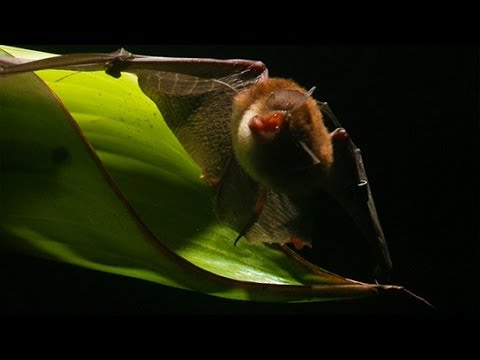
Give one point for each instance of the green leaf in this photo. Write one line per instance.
(91, 175)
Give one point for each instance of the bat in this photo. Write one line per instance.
(270, 150)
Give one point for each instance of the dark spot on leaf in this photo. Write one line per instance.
(61, 155)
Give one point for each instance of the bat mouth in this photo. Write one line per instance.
(266, 127)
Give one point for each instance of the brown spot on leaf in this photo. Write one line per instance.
(60, 155)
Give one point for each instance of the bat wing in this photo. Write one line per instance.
(198, 111)
(260, 214)
(349, 186)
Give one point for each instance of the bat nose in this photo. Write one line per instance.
(267, 126)
(268, 122)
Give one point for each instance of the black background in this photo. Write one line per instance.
(412, 109)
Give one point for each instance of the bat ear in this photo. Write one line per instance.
(311, 91)
(307, 95)
(287, 99)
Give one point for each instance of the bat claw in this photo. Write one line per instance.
(339, 134)
(237, 239)
(362, 190)
(115, 67)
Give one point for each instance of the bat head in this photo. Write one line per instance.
(284, 111)
(278, 134)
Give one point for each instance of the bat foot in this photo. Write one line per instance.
(339, 134)
(213, 182)
(298, 243)
(115, 67)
